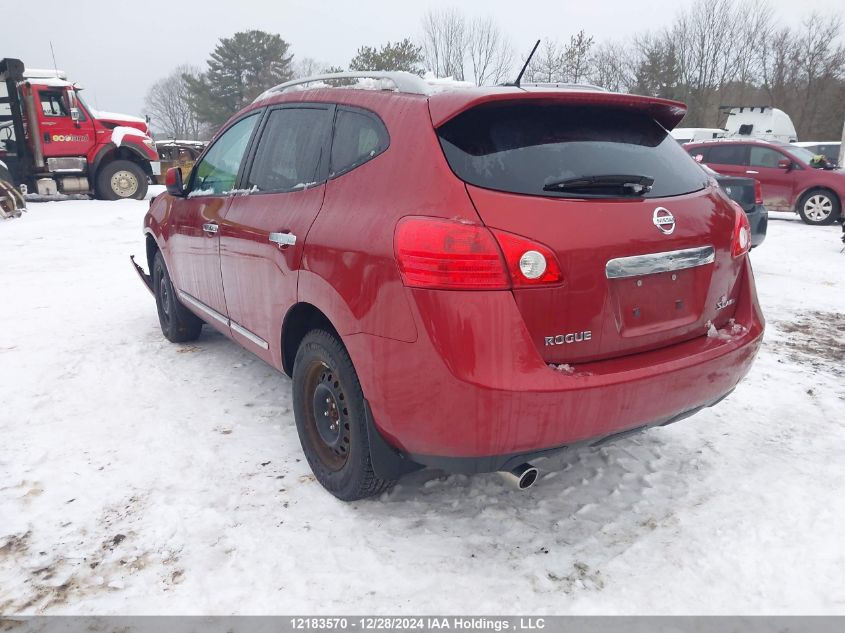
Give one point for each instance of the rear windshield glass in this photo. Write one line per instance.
(532, 149)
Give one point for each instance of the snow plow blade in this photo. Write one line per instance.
(12, 203)
(148, 281)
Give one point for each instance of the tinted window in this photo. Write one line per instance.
(290, 152)
(727, 155)
(358, 137)
(524, 148)
(216, 172)
(765, 157)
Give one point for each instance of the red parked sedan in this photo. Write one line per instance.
(792, 177)
(467, 279)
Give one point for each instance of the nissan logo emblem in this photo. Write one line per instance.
(664, 220)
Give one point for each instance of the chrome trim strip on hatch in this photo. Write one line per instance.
(199, 305)
(252, 337)
(653, 263)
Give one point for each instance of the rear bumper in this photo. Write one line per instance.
(758, 218)
(472, 394)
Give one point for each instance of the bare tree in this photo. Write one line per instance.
(547, 65)
(490, 52)
(169, 107)
(804, 73)
(307, 67)
(444, 42)
(612, 67)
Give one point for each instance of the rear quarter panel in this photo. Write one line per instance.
(349, 270)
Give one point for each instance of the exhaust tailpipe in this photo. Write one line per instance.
(523, 476)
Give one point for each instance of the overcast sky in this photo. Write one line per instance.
(116, 50)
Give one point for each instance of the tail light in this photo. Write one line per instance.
(758, 192)
(450, 255)
(741, 243)
(435, 253)
(529, 263)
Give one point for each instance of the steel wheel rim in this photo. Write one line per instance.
(818, 207)
(326, 406)
(164, 295)
(124, 183)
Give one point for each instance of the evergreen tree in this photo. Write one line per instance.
(404, 55)
(240, 68)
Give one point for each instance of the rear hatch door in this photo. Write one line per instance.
(645, 258)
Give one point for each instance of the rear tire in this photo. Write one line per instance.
(120, 180)
(819, 207)
(178, 324)
(329, 408)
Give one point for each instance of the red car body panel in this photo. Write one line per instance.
(465, 374)
(259, 275)
(480, 389)
(588, 300)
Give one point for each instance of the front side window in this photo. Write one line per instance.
(291, 152)
(765, 157)
(358, 137)
(216, 173)
(53, 103)
(567, 151)
(728, 155)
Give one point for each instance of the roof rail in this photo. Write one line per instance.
(565, 86)
(404, 81)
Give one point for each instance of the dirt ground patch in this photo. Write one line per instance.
(817, 334)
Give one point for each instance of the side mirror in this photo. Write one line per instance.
(785, 163)
(74, 115)
(173, 182)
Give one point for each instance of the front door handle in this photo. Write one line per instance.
(283, 239)
(210, 227)
(751, 171)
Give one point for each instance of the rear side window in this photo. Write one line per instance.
(358, 137)
(728, 155)
(291, 151)
(528, 148)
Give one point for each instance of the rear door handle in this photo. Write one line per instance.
(751, 171)
(283, 239)
(210, 227)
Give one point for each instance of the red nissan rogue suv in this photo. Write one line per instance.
(468, 278)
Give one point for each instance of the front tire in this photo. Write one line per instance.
(178, 324)
(120, 180)
(328, 405)
(819, 207)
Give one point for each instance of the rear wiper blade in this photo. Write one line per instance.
(623, 184)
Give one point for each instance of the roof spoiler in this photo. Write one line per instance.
(448, 105)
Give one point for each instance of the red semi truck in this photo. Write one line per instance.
(51, 142)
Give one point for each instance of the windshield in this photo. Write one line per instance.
(802, 154)
(527, 148)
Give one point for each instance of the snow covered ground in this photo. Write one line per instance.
(141, 477)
